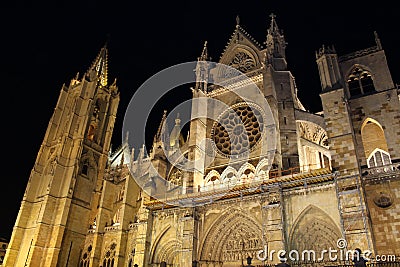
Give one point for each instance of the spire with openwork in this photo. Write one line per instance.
(202, 69)
(204, 53)
(162, 132)
(275, 44)
(100, 66)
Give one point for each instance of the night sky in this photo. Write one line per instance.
(44, 44)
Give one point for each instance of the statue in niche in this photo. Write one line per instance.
(93, 123)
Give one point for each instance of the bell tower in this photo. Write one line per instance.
(65, 180)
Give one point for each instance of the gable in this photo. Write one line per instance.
(242, 52)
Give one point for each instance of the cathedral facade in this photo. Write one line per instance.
(273, 176)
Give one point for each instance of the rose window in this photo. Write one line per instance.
(238, 130)
(242, 62)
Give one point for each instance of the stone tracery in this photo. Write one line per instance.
(234, 237)
(313, 133)
(314, 230)
(238, 129)
(243, 62)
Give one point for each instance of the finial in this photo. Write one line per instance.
(122, 159)
(377, 40)
(204, 48)
(108, 37)
(273, 23)
(237, 20)
(114, 82)
(204, 53)
(141, 153)
(132, 154)
(177, 120)
(126, 137)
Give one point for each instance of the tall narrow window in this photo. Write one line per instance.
(354, 86)
(85, 168)
(374, 143)
(367, 83)
(360, 82)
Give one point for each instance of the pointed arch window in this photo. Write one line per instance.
(108, 260)
(117, 217)
(360, 82)
(85, 167)
(378, 158)
(85, 258)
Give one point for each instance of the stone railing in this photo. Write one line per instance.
(381, 170)
(111, 228)
(244, 188)
(132, 225)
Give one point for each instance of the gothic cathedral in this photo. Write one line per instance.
(306, 182)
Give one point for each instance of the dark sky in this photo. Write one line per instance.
(44, 44)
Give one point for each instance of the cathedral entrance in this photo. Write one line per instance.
(231, 240)
(314, 230)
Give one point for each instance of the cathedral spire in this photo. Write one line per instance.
(377, 40)
(162, 131)
(273, 28)
(275, 44)
(204, 53)
(176, 133)
(202, 69)
(100, 65)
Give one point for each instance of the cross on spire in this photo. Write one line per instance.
(273, 27)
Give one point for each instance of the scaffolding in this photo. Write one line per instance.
(352, 208)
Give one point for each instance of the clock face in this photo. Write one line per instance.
(238, 130)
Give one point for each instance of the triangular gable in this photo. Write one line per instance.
(242, 51)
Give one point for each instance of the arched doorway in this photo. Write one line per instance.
(313, 230)
(231, 239)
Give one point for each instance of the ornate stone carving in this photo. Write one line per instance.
(314, 230)
(383, 200)
(176, 177)
(238, 130)
(234, 237)
(243, 62)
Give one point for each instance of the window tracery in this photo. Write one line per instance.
(109, 255)
(378, 158)
(360, 82)
(238, 130)
(243, 62)
(176, 177)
